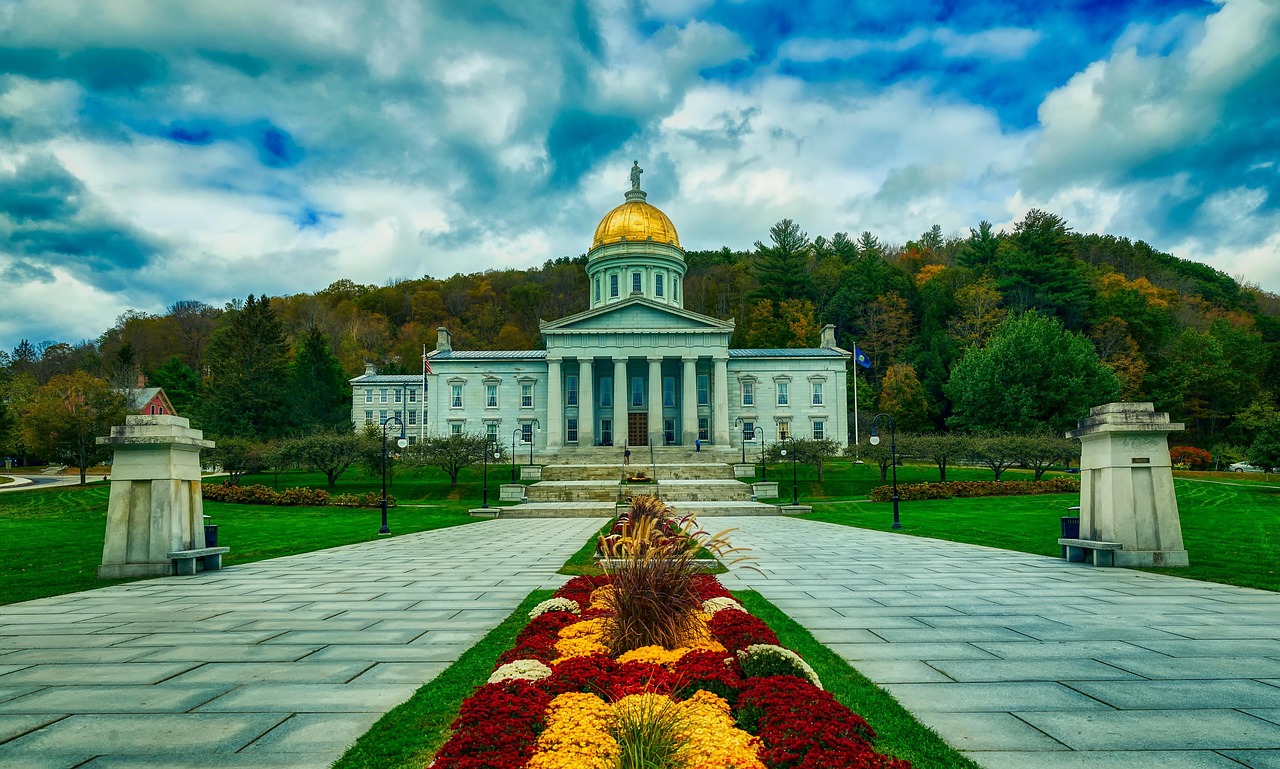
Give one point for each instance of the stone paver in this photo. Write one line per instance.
(279, 664)
(1027, 662)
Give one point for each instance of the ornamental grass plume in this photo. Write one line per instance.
(650, 731)
(655, 600)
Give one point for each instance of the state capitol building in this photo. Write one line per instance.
(635, 368)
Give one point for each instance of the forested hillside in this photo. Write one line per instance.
(1188, 337)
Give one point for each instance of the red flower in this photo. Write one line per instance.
(737, 630)
(497, 728)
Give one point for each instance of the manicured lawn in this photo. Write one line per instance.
(844, 480)
(51, 540)
(1232, 531)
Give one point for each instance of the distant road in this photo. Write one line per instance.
(40, 481)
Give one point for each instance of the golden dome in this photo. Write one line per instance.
(635, 220)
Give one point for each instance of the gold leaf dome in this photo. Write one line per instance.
(635, 220)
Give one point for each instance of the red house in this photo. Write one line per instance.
(148, 400)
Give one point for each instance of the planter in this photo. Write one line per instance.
(531, 472)
(765, 490)
(743, 471)
(511, 492)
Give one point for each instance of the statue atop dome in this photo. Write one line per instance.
(636, 170)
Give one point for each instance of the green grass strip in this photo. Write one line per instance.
(583, 562)
(409, 736)
(899, 734)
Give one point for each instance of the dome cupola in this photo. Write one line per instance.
(635, 251)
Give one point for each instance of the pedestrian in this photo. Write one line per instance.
(697, 444)
(626, 456)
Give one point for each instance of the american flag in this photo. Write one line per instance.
(426, 365)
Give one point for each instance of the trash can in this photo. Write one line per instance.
(210, 540)
(1070, 527)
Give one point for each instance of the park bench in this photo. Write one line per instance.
(1090, 551)
(184, 561)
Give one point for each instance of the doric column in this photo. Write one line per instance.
(689, 401)
(619, 401)
(555, 405)
(655, 401)
(721, 400)
(586, 402)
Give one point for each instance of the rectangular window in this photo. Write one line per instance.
(704, 389)
(491, 396)
(526, 432)
(571, 390)
(413, 396)
(571, 429)
(704, 429)
(784, 430)
(382, 415)
(819, 431)
(635, 283)
(784, 393)
(491, 432)
(368, 395)
(526, 395)
(368, 416)
(455, 428)
(637, 391)
(817, 393)
(606, 432)
(613, 285)
(675, 290)
(668, 432)
(748, 393)
(597, 288)
(399, 396)
(413, 439)
(668, 391)
(748, 431)
(413, 416)
(382, 396)
(657, 284)
(400, 416)
(455, 396)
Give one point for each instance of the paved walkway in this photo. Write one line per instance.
(1026, 662)
(279, 664)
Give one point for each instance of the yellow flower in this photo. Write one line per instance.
(711, 739)
(587, 628)
(576, 735)
(577, 647)
(600, 596)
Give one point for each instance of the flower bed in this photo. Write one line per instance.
(728, 698)
(950, 489)
(302, 495)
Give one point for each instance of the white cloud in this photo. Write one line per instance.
(1009, 43)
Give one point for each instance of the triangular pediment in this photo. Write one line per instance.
(636, 314)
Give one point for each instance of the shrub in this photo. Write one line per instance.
(301, 495)
(1190, 458)
(950, 489)
(497, 727)
(736, 630)
(764, 660)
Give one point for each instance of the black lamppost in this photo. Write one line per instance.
(764, 468)
(744, 439)
(401, 443)
(795, 491)
(514, 434)
(893, 459)
(536, 426)
(488, 441)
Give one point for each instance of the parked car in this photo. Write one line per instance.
(1245, 467)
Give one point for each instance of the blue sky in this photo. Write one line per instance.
(151, 153)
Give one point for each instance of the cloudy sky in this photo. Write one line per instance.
(158, 150)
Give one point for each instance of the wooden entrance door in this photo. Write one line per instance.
(638, 429)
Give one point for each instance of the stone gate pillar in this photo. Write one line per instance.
(1126, 484)
(155, 506)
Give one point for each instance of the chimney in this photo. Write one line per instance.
(369, 369)
(444, 341)
(142, 381)
(828, 336)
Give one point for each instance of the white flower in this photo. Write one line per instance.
(555, 604)
(713, 605)
(525, 670)
(759, 652)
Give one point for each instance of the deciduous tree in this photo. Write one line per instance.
(68, 414)
(902, 397)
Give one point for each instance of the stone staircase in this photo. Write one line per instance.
(585, 482)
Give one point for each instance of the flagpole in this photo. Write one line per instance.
(857, 436)
(422, 423)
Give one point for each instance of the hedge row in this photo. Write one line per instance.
(952, 489)
(264, 495)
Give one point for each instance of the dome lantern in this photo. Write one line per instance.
(635, 251)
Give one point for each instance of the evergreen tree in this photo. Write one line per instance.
(321, 397)
(1037, 269)
(248, 375)
(180, 382)
(980, 249)
(782, 268)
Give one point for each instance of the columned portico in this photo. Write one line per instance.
(619, 401)
(655, 401)
(586, 402)
(721, 401)
(689, 400)
(555, 405)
